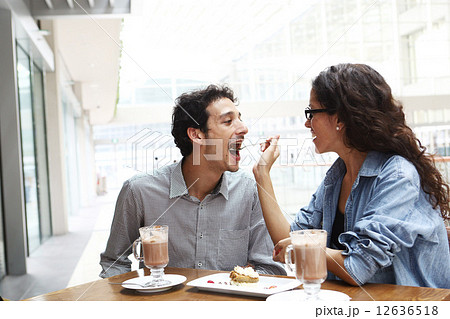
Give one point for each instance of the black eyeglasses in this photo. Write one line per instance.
(309, 113)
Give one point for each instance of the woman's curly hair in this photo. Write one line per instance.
(375, 121)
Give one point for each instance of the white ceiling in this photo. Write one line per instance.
(87, 41)
(91, 52)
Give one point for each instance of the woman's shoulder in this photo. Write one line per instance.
(398, 167)
(398, 163)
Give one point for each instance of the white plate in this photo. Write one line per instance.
(300, 295)
(173, 279)
(260, 290)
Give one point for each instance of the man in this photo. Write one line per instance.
(212, 209)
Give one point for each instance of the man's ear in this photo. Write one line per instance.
(196, 135)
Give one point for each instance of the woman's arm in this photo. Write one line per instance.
(335, 260)
(277, 225)
(335, 264)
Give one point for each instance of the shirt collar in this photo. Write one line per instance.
(372, 164)
(178, 185)
(222, 186)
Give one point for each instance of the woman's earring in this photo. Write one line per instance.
(337, 128)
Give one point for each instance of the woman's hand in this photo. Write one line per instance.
(271, 151)
(280, 249)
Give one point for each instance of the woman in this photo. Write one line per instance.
(382, 202)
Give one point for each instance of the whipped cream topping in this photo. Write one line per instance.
(154, 239)
(247, 271)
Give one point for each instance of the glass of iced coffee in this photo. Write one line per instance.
(153, 241)
(310, 264)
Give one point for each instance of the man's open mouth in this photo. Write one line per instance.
(234, 147)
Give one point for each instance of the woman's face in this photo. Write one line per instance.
(325, 136)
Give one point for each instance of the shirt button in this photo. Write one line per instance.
(200, 264)
(201, 235)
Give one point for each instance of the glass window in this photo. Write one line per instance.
(71, 156)
(2, 239)
(28, 150)
(409, 61)
(406, 40)
(148, 95)
(41, 153)
(125, 95)
(34, 151)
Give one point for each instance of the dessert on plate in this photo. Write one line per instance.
(244, 276)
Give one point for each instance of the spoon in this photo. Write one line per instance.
(145, 285)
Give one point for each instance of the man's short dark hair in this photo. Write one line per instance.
(190, 111)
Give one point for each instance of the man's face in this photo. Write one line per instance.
(224, 136)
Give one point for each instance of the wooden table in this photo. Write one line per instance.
(100, 290)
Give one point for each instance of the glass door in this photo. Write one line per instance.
(71, 143)
(34, 151)
(40, 135)
(28, 150)
(2, 237)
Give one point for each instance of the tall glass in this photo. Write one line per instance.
(310, 265)
(154, 244)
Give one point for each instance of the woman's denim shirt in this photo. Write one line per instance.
(392, 233)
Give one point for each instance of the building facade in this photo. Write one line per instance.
(407, 41)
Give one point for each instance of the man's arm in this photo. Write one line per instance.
(124, 230)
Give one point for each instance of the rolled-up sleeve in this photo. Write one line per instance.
(124, 230)
(384, 227)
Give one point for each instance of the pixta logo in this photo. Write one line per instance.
(149, 150)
